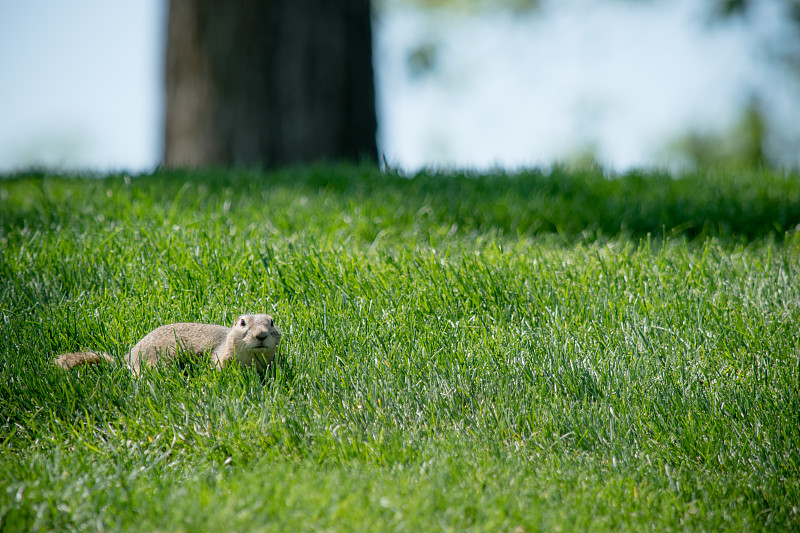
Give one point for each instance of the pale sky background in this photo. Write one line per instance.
(81, 84)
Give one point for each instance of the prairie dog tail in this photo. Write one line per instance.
(68, 361)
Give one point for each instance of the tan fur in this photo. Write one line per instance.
(73, 359)
(252, 340)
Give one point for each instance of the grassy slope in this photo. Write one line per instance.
(484, 352)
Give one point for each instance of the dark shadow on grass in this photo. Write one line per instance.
(584, 204)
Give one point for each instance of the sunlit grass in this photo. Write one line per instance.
(460, 352)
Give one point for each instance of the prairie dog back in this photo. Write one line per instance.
(164, 343)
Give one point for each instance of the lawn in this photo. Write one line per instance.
(559, 350)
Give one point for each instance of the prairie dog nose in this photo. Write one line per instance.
(263, 334)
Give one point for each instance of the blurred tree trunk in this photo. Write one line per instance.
(269, 82)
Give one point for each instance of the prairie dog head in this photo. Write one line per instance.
(255, 339)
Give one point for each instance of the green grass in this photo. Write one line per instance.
(463, 353)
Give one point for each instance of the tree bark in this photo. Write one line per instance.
(269, 82)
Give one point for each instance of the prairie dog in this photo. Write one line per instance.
(252, 340)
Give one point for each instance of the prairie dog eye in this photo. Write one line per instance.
(271, 322)
(242, 323)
